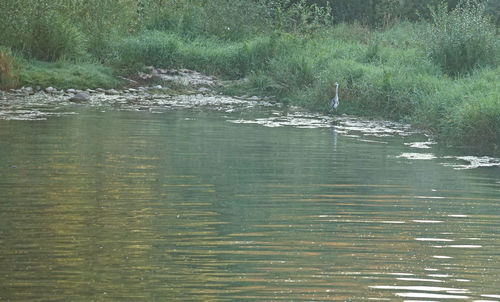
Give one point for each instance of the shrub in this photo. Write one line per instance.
(460, 39)
(236, 19)
(471, 114)
(290, 66)
(493, 9)
(299, 16)
(49, 30)
(101, 21)
(475, 123)
(150, 48)
(220, 18)
(178, 16)
(54, 37)
(10, 69)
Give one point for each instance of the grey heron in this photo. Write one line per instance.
(334, 103)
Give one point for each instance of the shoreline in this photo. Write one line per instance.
(153, 82)
(45, 105)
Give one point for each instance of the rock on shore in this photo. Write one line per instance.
(80, 97)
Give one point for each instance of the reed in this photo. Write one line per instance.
(10, 69)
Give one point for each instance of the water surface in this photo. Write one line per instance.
(234, 205)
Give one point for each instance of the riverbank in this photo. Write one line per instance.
(403, 71)
(181, 89)
(385, 76)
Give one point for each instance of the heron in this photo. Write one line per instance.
(334, 103)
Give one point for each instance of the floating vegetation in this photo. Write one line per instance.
(421, 156)
(296, 119)
(421, 145)
(472, 162)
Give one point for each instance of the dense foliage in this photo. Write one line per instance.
(461, 39)
(49, 30)
(432, 63)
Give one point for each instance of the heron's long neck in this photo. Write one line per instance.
(337, 90)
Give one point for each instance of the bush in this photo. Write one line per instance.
(178, 16)
(54, 37)
(461, 39)
(149, 48)
(50, 30)
(224, 18)
(493, 10)
(471, 109)
(236, 19)
(10, 69)
(220, 18)
(299, 16)
(475, 123)
(210, 55)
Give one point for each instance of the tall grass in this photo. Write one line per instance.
(50, 30)
(53, 37)
(465, 110)
(224, 19)
(461, 39)
(210, 55)
(10, 69)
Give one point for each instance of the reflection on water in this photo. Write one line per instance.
(135, 206)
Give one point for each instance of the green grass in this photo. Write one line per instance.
(63, 74)
(210, 55)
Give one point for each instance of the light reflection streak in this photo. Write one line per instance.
(420, 280)
(422, 288)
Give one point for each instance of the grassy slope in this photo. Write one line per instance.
(68, 75)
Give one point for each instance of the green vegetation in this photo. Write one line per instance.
(10, 69)
(459, 40)
(64, 74)
(431, 63)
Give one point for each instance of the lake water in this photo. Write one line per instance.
(249, 204)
